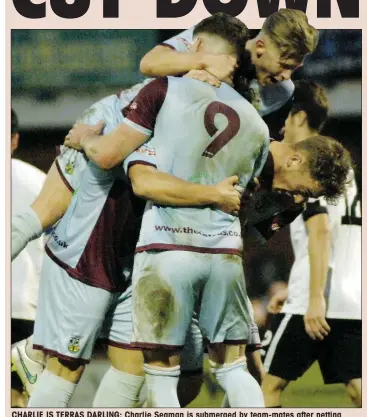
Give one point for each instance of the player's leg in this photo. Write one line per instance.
(354, 390)
(191, 362)
(341, 357)
(226, 321)
(65, 173)
(272, 388)
(69, 317)
(253, 359)
(165, 287)
(122, 383)
(27, 363)
(228, 365)
(62, 179)
(288, 352)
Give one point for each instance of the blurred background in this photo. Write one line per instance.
(57, 74)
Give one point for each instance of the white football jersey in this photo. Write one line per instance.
(202, 134)
(343, 288)
(26, 184)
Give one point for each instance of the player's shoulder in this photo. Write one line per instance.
(275, 96)
(283, 89)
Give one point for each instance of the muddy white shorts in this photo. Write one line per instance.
(169, 286)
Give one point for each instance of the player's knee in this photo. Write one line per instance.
(354, 390)
(162, 358)
(189, 387)
(221, 353)
(272, 384)
(70, 370)
(126, 360)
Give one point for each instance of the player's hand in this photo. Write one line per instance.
(79, 132)
(221, 66)
(229, 195)
(255, 365)
(203, 76)
(316, 325)
(277, 300)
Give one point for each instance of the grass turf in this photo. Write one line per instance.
(308, 391)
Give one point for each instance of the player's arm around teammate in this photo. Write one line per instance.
(55, 197)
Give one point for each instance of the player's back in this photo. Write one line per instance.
(345, 286)
(204, 134)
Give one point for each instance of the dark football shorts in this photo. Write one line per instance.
(288, 351)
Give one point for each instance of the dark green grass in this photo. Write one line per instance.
(308, 391)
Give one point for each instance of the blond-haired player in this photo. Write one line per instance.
(320, 313)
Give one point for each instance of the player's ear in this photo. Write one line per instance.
(294, 160)
(259, 48)
(301, 118)
(196, 45)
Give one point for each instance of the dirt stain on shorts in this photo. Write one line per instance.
(156, 310)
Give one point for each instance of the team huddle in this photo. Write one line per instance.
(149, 201)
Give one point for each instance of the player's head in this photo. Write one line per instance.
(14, 131)
(309, 111)
(281, 46)
(220, 33)
(317, 166)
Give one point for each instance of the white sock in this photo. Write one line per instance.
(35, 355)
(240, 386)
(118, 389)
(51, 391)
(25, 227)
(162, 386)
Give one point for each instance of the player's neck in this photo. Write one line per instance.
(302, 134)
(280, 152)
(214, 44)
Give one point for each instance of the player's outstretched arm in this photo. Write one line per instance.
(162, 61)
(45, 211)
(163, 188)
(319, 241)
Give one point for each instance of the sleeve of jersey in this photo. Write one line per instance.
(314, 208)
(259, 165)
(267, 228)
(275, 96)
(144, 155)
(70, 165)
(182, 41)
(141, 113)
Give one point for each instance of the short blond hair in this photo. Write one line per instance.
(291, 33)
